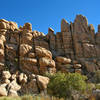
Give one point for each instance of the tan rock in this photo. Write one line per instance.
(3, 20)
(30, 87)
(64, 67)
(78, 71)
(79, 22)
(13, 25)
(28, 26)
(78, 48)
(42, 52)
(29, 66)
(14, 86)
(64, 26)
(42, 82)
(63, 60)
(13, 40)
(26, 38)
(3, 85)
(32, 76)
(59, 44)
(24, 49)
(2, 38)
(77, 66)
(8, 25)
(60, 66)
(89, 50)
(38, 34)
(50, 33)
(1, 52)
(92, 30)
(2, 25)
(6, 75)
(11, 47)
(3, 91)
(13, 93)
(46, 62)
(23, 78)
(1, 66)
(26, 60)
(51, 39)
(50, 30)
(12, 55)
(7, 81)
(44, 70)
(52, 70)
(1, 44)
(31, 55)
(13, 76)
(40, 42)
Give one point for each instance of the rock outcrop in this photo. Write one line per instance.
(31, 53)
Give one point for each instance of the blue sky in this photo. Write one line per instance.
(48, 13)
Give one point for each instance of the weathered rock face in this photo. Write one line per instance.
(75, 49)
(22, 48)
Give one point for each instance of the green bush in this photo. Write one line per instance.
(62, 85)
(96, 78)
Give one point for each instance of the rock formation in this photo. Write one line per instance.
(28, 54)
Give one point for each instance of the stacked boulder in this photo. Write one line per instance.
(8, 25)
(64, 64)
(11, 49)
(20, 84)
(39, 39)
(9, 86)
(46, 64)
(35, 84)
(9, 43)
(77, 66)
(28, 62)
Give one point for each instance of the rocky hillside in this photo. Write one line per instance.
(29, 54)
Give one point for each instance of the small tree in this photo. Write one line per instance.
(62, 85)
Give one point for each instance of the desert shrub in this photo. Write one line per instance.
(96, 77)
(62, 85)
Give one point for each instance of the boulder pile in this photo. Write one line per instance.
(20, 84)
(28, 54)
